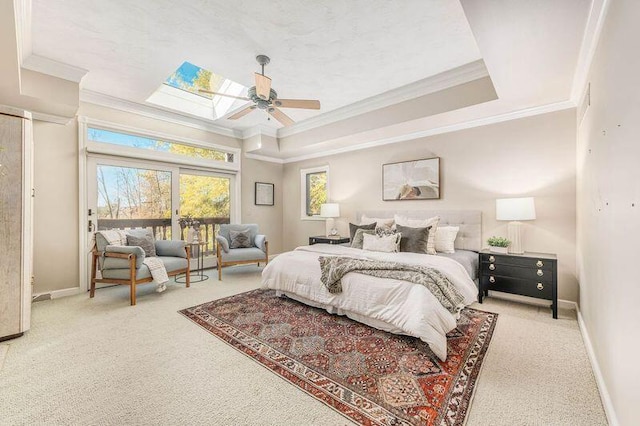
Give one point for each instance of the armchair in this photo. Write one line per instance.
(124, 264)
(227, 256)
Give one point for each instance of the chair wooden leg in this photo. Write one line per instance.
(219, 258)
(132, 277)
(266, 255)
(92, 291)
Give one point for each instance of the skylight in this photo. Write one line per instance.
(180, 91)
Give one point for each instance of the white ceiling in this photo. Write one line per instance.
(338, 52)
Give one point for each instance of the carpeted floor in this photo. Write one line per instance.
(101, 361)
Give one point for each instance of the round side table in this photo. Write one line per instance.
(197, 275)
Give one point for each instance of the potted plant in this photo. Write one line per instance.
(498, 244)
(193, 228)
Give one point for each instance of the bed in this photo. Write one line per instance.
(391, 305)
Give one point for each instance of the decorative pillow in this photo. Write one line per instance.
(387, 244)
(421, 223)
(240, 239)
(145, 242)
(445, 237)
(353, 228)
(356, 242)
(387, 221)
(383, 230)
(414, 240)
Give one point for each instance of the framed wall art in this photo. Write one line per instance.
(411, 180)
(264, 194)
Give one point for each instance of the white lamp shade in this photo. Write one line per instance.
(515, 209)
(330, 210)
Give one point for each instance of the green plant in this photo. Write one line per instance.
(498, 242)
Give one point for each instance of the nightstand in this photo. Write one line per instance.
(528, 274)
(329, 240)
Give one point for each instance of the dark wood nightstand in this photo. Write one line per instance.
(329, 240)
(528, 274)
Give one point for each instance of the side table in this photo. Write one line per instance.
(196, 275)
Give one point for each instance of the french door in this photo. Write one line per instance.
(127, 193)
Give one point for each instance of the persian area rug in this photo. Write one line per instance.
(370, 376)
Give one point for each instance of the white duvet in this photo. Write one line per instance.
(391, 305)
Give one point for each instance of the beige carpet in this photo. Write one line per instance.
(102, 362)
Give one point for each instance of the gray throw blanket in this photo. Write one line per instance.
(333, 268)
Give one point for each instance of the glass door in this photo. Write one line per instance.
(205, 198)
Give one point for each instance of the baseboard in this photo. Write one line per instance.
(56, 294)
(602, 387)
(564, 304)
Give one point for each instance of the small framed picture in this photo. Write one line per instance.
(411, 180)
(264, 194)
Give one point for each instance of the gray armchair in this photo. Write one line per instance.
(227, 256)
(123, 264)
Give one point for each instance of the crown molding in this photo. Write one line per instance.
(499, 118)
(23, 28)
(264, 158)
(51, 118)
(454, 77)
(54, 68)
(156, 113)
(590, 39)
(260, 129)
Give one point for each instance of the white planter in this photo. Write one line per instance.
(502, 250)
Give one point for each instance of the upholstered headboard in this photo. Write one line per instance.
(470, 223)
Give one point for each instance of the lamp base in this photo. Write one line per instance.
(514, 232)
(330, 227)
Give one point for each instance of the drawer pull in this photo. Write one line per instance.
(492, 279)
(492, 259)
(492, 266)
(540, 286)
(539, 264)
(540, 273)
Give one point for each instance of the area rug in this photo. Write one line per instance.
(370, 376)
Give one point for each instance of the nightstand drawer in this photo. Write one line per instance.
(527, 262)
(523, 287)
(533, 274)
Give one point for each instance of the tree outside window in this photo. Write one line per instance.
(316, 192)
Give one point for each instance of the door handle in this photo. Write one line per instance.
(91, 226)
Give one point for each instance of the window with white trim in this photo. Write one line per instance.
(314, 185)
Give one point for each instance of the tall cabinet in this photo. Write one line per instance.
(16, 221)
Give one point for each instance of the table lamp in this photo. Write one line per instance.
(514, 210)
(329, 211)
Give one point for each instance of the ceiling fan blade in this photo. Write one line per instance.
(281, 116)
(297, 103)
(242, 113)
(223, 94)
(263, 86)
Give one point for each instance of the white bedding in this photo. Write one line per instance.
(392, 305)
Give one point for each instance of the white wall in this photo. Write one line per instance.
(609, 211)
(530, 157)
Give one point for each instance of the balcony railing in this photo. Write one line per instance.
(161, 228)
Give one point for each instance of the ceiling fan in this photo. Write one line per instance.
(264, 97)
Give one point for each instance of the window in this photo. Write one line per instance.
(140, 142)
(181, 92)
(314, 184)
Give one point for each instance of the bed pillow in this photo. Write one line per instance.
(358, 238)
(353, 228)
(387, 221)
(240, 239)
(421, 223)
(145, 242)
(414, 240)
(387, 244)
(445, 238)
